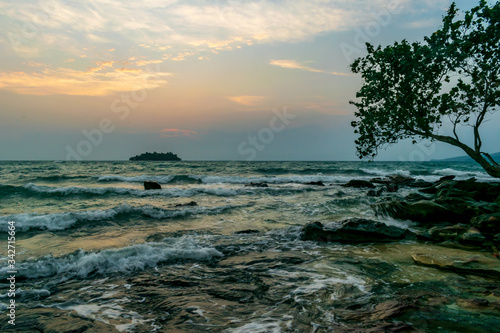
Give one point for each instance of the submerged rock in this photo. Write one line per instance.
(257, 184)
(472, 237)
(358, 183)
(318, 183)
(460, 261)
(152, 186)
(487, 223)
(355, 231)
(191, 203)
(423, 211)
(447, 233)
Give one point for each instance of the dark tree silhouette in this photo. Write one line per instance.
(409, 89)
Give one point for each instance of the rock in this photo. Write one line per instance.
(257, 184)
(474, 303)
(53, 320)
(246, 231)
(489, 224)
(354, 231)
(460, 261)
(472, 237)
(423, 211)
(191, 203)
(318, 183)
(373, 193)
(416, 197)
(419, 183)
(447, 233)
(152, 186)
(358, 183)
(466, 208)
(442, 179)
(400, 179)
(392, 187)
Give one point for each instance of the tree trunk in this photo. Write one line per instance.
(491, 169)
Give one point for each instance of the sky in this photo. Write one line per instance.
(208, 80)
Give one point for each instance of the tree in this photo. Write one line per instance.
(411, 89)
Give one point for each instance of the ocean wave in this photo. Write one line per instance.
(82, 264)
(165, 192)
(62, 221)
(206, 179)
(458, 173)
(136, 179)
(380, 172)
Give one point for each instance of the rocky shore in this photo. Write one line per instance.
(462, 214)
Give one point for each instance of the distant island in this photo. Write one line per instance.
(156, 157)
(495, 156)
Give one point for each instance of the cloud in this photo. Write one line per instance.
(219, 25)
(182, 56)
(292, 64)
(246, 100)
(93, 82)
(174, 132)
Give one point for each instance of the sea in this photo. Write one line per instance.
(212, 252)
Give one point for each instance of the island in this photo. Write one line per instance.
(156, 157)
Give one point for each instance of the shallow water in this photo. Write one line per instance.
(92, 243)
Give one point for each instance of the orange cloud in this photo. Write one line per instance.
(65, 81)
(174, 132)
(147, 62)
(246, 100)
(292, 64)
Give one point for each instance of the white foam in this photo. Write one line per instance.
(380, 172)
(458, 173)
(137, 179)
(62, 221)
(122, 260)
(264, 325)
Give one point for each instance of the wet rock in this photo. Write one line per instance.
(246, 231)
(318, 183)
(52, 320)
(419, 183)
(355, 231)
(373, 193)
(423, 211)
(460, 261)
(152, 186)
(392, 187)
(191, 203)
(358, 183)
(444, 178)
(489, 224)
(447, 233)
(416, 197)
(472, 237)
(252, 184)
(474, 303)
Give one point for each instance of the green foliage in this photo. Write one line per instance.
(156, 157)
(410, 88)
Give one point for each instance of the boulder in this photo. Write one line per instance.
(472, 237)
(359, 183)
(489, 224)
(460, 261)
(450, 233)
(354, 231)
(318, 183)
(423, 211)
(152, 186)
(191, 203)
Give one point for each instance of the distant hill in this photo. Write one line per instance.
(156, 157)
(495, 156)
